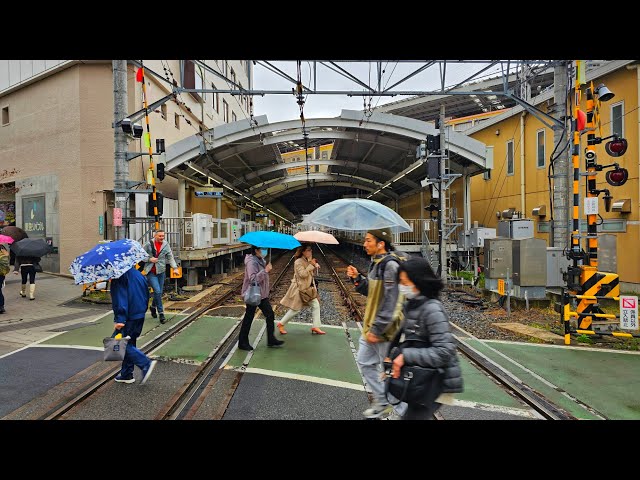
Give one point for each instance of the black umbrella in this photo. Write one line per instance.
(14, 232)
(30, 247)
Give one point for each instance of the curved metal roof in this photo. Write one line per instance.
(370, 154)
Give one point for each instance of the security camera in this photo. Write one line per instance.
(590, 155)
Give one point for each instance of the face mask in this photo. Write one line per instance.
(264, 252)
(407, 291)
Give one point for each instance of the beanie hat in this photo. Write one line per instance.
(382, 234)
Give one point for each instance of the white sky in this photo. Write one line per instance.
(284, 107)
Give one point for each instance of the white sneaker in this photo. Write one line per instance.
(147, 373)
(376, 411)
(393, 416)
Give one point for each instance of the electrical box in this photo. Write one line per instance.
(479, 235)
(202, 230)
(557, 264)
(607, 253)
(235, 230)
(529, 269)
(516, 228)
(475, 237)
(498, 257)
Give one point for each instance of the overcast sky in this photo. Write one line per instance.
(284, 107)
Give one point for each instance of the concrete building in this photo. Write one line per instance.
(57, 143)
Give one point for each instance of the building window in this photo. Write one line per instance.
(324, 155)
(225, 68)
(192, 78)
(176, 120)
(541, 154)
(163, 111)
(5, 115)
(233, 77)
(487, 174)
(510, 166)
(617, 119)
(225, 111)
(233, 117)
(216, 99)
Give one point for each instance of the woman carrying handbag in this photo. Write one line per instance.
(424, 339)
(257, 271)
(302, 291)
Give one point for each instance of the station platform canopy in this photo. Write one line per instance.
(371, 156)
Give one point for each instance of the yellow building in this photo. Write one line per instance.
(522, 146)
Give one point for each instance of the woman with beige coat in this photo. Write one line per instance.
(305, 268)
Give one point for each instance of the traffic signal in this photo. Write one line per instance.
(616, 147)
(433, 143)
(617, 176)
(160, 171)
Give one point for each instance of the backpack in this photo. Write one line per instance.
(394, 256)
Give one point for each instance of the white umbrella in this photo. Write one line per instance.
(358, 214)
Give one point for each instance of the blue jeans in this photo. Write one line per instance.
(156, 280)
(133, 356)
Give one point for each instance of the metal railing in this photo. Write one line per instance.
(141, 229)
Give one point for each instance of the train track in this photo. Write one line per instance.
(181, 405)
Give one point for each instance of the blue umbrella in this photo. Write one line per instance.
(357, 214)
(106, 261)
(270, 240)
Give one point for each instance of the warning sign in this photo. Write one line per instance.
(501, 286)
(629, 313)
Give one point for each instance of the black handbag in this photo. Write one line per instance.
(37, 267)
(415, 385)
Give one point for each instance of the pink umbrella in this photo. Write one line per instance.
(316, 237)
(6, 239)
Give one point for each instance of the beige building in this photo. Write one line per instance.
(57, 142)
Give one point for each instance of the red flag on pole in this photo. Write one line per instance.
(139, 75)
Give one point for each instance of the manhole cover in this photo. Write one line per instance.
(230, 311)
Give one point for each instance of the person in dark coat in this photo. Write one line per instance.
(129, 299)
(4, 269)
(256, 269)
(425, 319)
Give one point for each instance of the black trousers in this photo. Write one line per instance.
(29, 270)
(249, 313)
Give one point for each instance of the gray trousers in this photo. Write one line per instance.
(370, 356)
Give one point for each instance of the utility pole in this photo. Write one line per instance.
(443, 201)
(559, 234)
(120, 140)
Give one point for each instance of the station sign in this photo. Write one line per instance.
(209, 192)
(628, 313)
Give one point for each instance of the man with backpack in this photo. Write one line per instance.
(382, 316)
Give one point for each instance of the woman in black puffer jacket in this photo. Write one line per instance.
(426, 320)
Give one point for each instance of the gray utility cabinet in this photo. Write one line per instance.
(529, 262)
(517, 228)
(497, 257)
(557, 264)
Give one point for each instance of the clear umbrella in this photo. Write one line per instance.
(358, 214)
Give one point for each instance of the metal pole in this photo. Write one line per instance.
(443, 203)
(120, 140)
(559, 235)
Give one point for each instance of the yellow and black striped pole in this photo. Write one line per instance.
(151, 174)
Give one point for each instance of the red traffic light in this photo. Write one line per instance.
(617, 147)
(617, 177)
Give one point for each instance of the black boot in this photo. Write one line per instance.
(162, 319)
(245, 328)
(152, 309)
(272, 341)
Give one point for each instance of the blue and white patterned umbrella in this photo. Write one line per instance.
(106, 261)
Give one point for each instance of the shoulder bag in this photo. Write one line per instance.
(306, 294)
